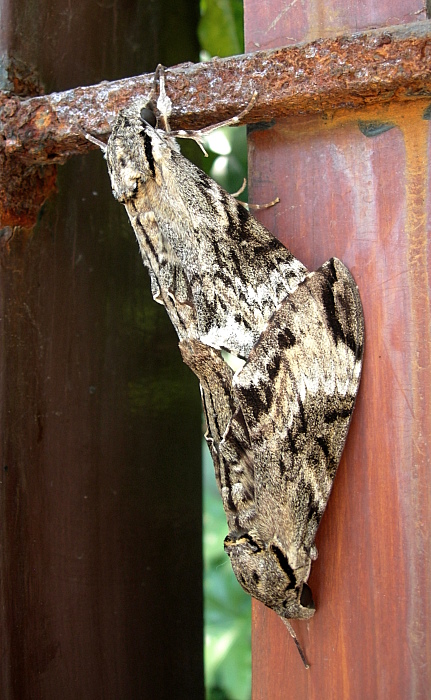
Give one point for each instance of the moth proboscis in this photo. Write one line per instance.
(276, 427)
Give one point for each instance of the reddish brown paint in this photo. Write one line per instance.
(366, 200)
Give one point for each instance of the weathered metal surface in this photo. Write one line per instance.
(23, 188)
(323, 75)
(327, 74)
(356, 185)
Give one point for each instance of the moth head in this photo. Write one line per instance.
(134, 150)
(264, 571)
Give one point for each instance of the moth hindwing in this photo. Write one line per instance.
(276, 427)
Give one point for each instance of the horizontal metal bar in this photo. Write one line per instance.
(390, 63)
(324, 75)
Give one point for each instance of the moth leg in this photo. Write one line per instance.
(247, 205)
(232, 121)
(164, 105)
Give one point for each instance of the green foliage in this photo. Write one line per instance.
(221, 27)
(227, 607)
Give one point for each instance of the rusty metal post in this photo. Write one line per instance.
(356, 184)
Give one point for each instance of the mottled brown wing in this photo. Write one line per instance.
(297, 393)
(227, 435)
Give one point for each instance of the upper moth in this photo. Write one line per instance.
(276, 427)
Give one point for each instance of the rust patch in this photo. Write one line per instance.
(24, 184)
(23, 191)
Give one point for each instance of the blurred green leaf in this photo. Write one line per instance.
(227, 608)
(229, 169)
(221, 27)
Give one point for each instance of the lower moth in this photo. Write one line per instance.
(276, 427)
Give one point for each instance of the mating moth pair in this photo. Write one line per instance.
(276, 427)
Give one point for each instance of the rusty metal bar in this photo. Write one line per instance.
(324, 75)
(328, 74)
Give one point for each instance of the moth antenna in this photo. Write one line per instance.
(295, 639)
(96, 142)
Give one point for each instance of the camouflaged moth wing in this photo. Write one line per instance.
(276, 431)
(276, 427)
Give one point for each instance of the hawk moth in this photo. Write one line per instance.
(277, 426)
